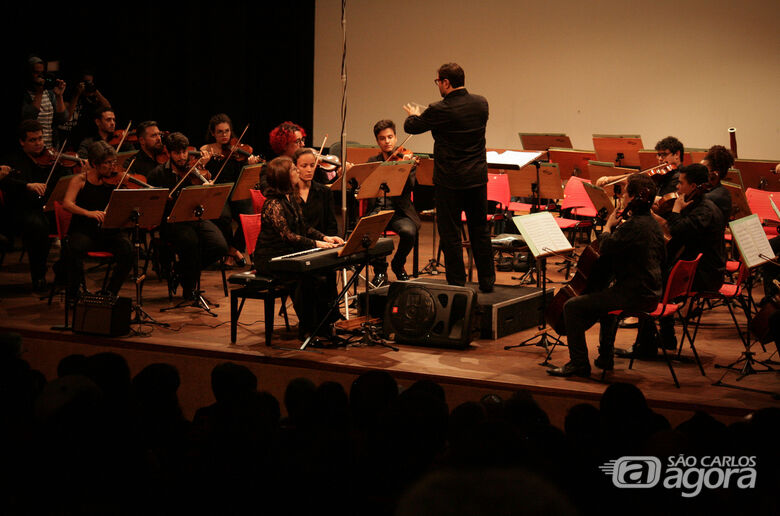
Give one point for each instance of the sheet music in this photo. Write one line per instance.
(753, 245)
(542, 234)
(517, 159)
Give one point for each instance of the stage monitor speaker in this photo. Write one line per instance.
(430, 314)
(102, 315)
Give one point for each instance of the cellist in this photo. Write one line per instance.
(632, 248)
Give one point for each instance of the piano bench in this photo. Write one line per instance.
(255, 286)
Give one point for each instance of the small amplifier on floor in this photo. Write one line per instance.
(102, 315)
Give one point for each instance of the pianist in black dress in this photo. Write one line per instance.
(283, 231)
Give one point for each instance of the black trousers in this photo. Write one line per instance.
(407, 234)
(35, 227)
(231, 212)
(450, 204)
(114, 241)
(582, 312)
(198, 244)
(312, 295)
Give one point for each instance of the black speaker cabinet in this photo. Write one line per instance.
(429, 314)
(99, 315)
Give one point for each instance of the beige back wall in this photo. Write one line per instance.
(689, 68)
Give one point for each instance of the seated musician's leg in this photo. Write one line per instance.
(407, 233)
(119, 244)
(212, 243)
(237, 208)
(184, 239)
(78, 244)
(35, 237)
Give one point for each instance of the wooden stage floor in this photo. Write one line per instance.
(196, 341)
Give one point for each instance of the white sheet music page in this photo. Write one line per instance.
(752, 242)
(512, 159)
(542, 234)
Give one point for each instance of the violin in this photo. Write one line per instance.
(127, 180)
(122, 135)
(327, 162)
(400, 154)
(241, 153)
(48, 156)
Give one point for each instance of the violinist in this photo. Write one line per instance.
(286, 138)
(105, 122)
(43, 100)
(405, 221)
(150, 141)
(632, 250)
(221, 140)
(26, 191)
(718, 161)
(198, 243)
(284, 230)
(669, 151)
(87, 198)
(695, 225)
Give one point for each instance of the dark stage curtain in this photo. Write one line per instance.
(177, 65)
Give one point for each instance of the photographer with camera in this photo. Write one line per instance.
(43, 100)
(83, 106)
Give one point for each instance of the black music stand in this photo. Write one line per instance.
(544, 238)
(198, 203)
(134, 208)
(754, 249)
(363, 238)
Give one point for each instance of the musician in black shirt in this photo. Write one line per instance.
(198, 243)
(458, 124)
(405, 221)
(150, 141)
(26, 190)
(633, 252)
(87, 199)
(284, 231)
(718, 161)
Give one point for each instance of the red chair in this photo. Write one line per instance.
(254, 286)
(728, 293)
(63, 218)
(676, 293)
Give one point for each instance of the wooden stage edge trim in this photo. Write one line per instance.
(258, 357)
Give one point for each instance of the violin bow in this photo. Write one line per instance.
(232, 150)
(170, 195)
(319, 154)
(54, 165)
(397, 149)
(119, 185)
(127, 130)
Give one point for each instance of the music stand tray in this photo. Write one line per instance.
(392, 174)
(247, 180)
(149, 203)
(572, 162)
(200, 203)
(424, 172)
(521, 181)
(608, 146)
(543, 141)
(357, 172)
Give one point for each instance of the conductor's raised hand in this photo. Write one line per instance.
(412, 109)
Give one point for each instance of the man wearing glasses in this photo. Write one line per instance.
(457, 124)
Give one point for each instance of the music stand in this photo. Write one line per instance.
(363, 238)
(134, 208)
(424, 176)
(543, 141)
(739, 204)
(623, 150)
(247, 179)
(601, 199)
(755, 250)
(544, 238)
(58, 193)
(756, 170)
(197, 203)
(571, 162)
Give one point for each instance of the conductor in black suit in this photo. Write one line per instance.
(457, 124)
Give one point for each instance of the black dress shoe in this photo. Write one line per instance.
(379, 279)
(605, 362)
(571, 369)
(239, 262)
(400, 273)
